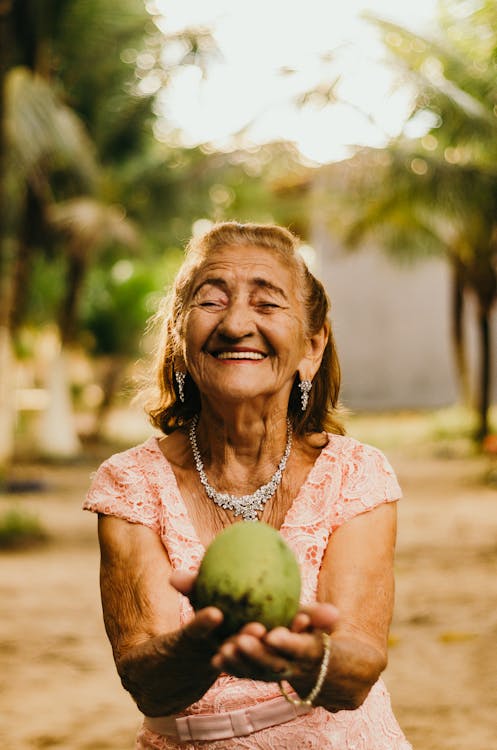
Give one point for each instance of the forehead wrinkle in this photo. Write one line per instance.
(258, 281)
(223, 273)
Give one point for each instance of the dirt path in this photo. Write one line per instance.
(443, 662)
(58, 687)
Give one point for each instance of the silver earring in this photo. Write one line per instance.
(305, 388)
(180, 380)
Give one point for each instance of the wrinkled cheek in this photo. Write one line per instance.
(194, 370)
(190, 353)
(198, 367)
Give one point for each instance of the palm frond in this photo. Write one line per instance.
(444, 78)
(42, 130)
(90, 224)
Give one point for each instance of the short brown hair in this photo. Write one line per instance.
(166, 411)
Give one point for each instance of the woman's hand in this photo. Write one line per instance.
(154, 655)
(293, 654)
(206, 620)
(183, 581)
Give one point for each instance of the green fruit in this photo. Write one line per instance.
(249, 573)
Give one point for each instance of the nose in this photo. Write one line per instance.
(237, 321)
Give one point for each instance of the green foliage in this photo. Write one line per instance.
(19, 528)
(45, 289)
(436, 193)
(94, 196)
(450, 178)
(42, 129)
(446, 180)
(84, 104)
(120, 299)
(88, 47)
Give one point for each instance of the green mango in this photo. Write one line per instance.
(251, 574)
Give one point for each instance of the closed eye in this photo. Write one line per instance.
(210, 304)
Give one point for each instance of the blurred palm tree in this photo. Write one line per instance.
(88, 181)
(438, 193)
(39, 134)
(78, 161)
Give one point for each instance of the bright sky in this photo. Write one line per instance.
(259, 39)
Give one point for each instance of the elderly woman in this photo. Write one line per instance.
(248, 386)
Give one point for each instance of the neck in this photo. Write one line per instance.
(244, 436)
(250, 504)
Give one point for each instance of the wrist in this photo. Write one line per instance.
(302, 687)
(355, 666)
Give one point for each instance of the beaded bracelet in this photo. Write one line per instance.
(319, 682)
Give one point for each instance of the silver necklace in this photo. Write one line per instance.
(246, 506)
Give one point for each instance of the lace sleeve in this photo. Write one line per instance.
(368, 480)
(120, 488)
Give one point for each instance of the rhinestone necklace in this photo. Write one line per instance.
(246, 506)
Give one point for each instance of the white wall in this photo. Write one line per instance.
(392, 328)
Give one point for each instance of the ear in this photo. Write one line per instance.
(314, 350)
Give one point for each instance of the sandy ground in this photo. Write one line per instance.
(58, 687)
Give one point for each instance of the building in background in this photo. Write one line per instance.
(392, 326)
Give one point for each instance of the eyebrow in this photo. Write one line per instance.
(265, 284)
(213, 281)
(259, 282)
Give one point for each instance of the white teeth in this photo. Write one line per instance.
(240, 355)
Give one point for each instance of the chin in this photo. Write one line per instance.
(224, 393)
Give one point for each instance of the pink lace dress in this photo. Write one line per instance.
(348, 478)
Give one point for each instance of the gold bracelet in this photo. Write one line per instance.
(323, 669)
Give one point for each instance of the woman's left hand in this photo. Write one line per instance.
(293, 654)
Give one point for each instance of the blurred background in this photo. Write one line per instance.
(370, 130)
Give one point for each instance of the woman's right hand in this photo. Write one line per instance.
(154, 655)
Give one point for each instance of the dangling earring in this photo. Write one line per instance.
(180, 380)
(305, 388)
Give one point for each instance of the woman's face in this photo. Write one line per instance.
(244, 326)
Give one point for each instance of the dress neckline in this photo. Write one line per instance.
(290, 519)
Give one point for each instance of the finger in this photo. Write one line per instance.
(226, 659)
(226, 652)
(246, 656)
(301, 622)
(204, 623)
(182, 581)
(257, 629)
(295, 646)
(322, 615)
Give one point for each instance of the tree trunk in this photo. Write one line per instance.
(484, 372)
(7, 410)
(110, 383)
(458, 338)
(30, 230)
(68, 314)
(57, 435)
(7, 253)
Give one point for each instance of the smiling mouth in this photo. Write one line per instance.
(239, 355)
